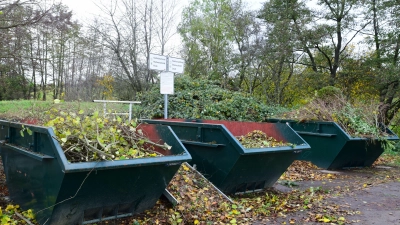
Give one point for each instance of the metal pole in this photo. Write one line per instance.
(105, 108)
(165, 106)
(165, 95)
(130, 111)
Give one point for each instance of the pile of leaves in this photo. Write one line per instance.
(330, 104)
(304, 170)
(259, 139)
(199, 202)
(94, 138)
(205, 99)
(270, 204)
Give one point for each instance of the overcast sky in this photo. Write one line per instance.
(84, 10)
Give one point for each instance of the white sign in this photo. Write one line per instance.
(175, 65)
(157, 62)
(167, 83)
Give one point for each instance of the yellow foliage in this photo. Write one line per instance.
(107, 82)
(325, 220)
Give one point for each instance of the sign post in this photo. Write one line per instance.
(166, 88)
(175, 65)
(167, 83)
(169, 66)
(158, 62)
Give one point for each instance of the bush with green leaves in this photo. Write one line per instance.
(204, 99)
(329, 92)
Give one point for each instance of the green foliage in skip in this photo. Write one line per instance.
(358, 119)
(94, 138)
(206, 100)
(9, 215)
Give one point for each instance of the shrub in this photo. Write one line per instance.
(205, 99)
(329, 92)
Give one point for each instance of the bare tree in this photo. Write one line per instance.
(132, 30)
(166, 12)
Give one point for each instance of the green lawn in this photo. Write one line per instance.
(29, 109)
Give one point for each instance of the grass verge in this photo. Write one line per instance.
(28, 109)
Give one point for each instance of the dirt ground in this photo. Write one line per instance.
(365, 196)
